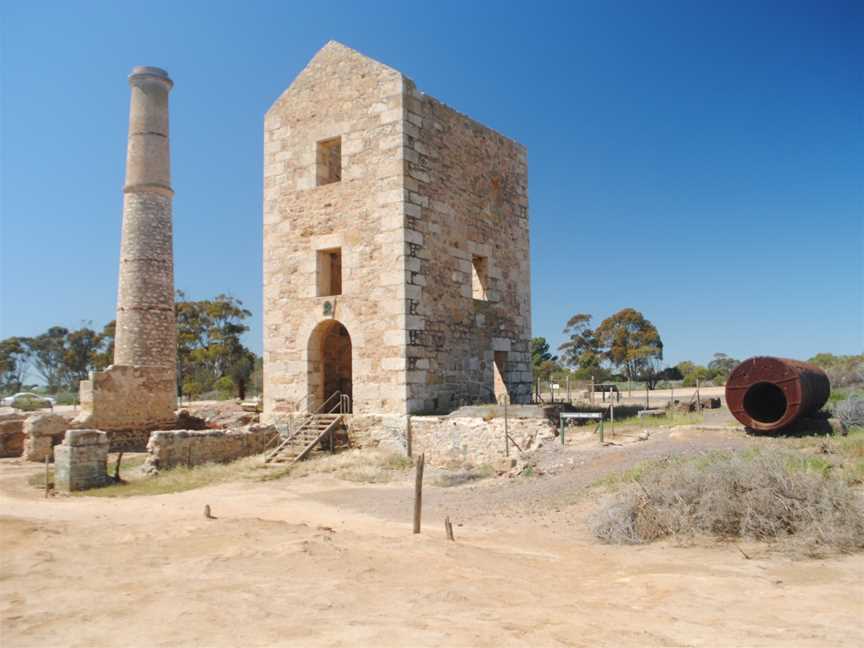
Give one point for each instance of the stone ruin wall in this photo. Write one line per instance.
(339, 94)
(167, 449)
(11, 435)
(446, 440)
(466, 188)
(129, 403)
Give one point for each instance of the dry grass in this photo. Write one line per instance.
(669, 420)
(368, 466)
(767, 495)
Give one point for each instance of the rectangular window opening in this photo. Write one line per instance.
(329, 158)
(479, 277)
(329, 272)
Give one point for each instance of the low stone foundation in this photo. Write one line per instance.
(448, 439)
(385, 432)
(80, 461)
(128, 398)
(195, 447)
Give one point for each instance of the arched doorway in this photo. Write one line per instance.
(329, 362)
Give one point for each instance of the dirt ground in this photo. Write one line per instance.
(315, 561)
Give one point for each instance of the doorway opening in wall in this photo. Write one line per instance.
(329, 272)
(499, 367)
(329, 363)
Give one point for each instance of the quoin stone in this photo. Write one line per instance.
(396, 253)
(139, 391)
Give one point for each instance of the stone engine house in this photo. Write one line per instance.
(396, 255)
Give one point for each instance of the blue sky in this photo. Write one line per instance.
(699, 161)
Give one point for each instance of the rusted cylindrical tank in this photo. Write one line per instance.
(769, 394)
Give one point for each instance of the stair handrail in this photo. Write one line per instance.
(309, 418)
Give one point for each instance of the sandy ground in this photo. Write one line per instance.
(322, 562)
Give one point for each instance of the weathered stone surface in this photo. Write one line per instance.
(41, 433)
(216, 415)
(403, 279)
(80, 461)
(171, 448)
(448, 439)
(128, 398)
(379, 431)
(11, 437)
(139, 392)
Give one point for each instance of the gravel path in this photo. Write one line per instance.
(562, 476)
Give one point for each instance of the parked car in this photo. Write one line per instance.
(28, 401)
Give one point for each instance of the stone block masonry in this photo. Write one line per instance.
(471, 439)
(80, 462)
(41, 433)
(139, 392)
(396, 254)
(167, 449)
(129, 400)
(11, 437)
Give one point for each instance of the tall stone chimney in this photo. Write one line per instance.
(146, 334)
(138, 393)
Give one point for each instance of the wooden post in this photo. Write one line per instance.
(506, 428)
(448, 528)
(612, 418)
(47, 488)
(408, 441)
(647, 397)
(698, 398)
(418, 492)
(569, 400)
(117, 468)
(591, 395)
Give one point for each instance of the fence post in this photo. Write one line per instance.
(612, 418)
(506, 428)
(418, 492)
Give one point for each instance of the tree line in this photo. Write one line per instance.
(624, 346)
(210, 354)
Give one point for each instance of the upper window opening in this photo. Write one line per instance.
(479, 277)
(329, 272)
(329, 161)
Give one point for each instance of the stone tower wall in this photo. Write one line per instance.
(467, 189)
(346, 95)
(139, 391)
(424, 192)
(146, 332)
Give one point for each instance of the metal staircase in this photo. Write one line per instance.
(311, 430)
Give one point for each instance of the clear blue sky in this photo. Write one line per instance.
(702, 162)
